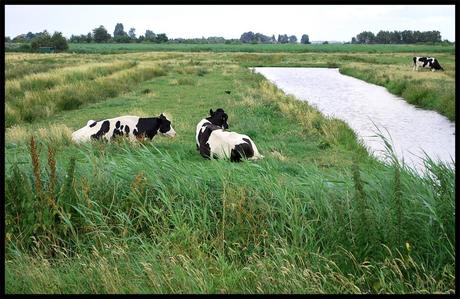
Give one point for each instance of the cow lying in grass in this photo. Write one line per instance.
(215, 142)
(426, 62)
(134, 127)
(218, 118)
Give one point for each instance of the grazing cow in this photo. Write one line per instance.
(217, 143)
(218, 118)
(134, 127)
(427, 62)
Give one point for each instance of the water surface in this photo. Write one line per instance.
(363, 106)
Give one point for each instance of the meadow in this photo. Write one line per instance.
(317, 215)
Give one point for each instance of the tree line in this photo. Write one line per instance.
(259, 38)
(397, 37)
(101, 35)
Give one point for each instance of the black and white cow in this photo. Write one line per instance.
(134, 127)
(218, 118)
(217, 143)
(426, 62)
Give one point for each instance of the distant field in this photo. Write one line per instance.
(261, 48)
(264, 48)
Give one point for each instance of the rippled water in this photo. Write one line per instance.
(361, 105)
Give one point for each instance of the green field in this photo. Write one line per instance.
(259, 48)
(316, 215)
(253, 48)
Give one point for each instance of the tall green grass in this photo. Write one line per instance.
(42, 96)
(237, 218)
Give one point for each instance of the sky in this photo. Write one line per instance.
(320, 22)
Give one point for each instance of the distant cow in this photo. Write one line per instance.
(426, 62)
(218, 118)
(134, 127)
(217, 143)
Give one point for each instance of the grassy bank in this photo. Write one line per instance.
(316, 215)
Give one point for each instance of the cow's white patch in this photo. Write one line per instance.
(222, 142)
(170, 133)
(199, 127)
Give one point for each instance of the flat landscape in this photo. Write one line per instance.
(317, 215)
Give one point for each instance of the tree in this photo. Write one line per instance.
(74, 39)
(59, 42)
(161, 38)
(44, 39)
(353, 40)
(150, 36)
(247, 37)
(41, 40)
(292, 39)
(283, 39)
(305, 39)
(20, 39)
(30, 35)
(7, 39)
(256, 38)
(407, 37)
(365, 37)
(119, 35)
(89, 37)
(119, 30)
(132, 33)
(100, 35)
(383, 37)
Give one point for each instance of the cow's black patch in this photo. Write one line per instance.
(117, 124)
(435, 65)
(103, 130)
(121, 127)
(218, 118)
(242, 151)
(147, 126)
(93, 124)
(203, 138)
(126, 130)
(117, 132)
(165, 124)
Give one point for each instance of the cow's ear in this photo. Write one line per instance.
(162, 115)
(211, 112)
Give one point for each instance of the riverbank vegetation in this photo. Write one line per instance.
(316, 215)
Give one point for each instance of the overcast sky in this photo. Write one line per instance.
(320, 22)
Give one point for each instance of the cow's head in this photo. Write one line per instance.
(165, 127)
(218, 118)
(437, 66)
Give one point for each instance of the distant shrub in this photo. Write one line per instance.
(57, 41)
